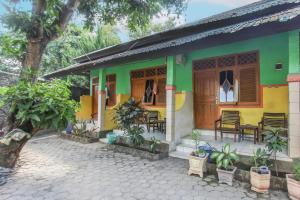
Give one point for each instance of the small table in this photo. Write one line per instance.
(251, 128)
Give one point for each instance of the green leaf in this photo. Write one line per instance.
(220, 157)
(225, 163)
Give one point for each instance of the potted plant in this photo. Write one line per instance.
(260, 175)
(198, 157)
(275, 142)
(224, 160)
(293, 183)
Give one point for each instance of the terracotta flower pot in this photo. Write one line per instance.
(197, 165)
(259, 182)
(293, 187)
(226, 176)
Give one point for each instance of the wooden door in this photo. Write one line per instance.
(95, 102)
(138, 89)
(205, 108)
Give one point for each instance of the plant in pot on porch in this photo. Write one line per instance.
(198, 157)
(260, 175)
(293, 183)
(224, 160)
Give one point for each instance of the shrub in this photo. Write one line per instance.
(225, 158)
(153, 144)
(35, 106)
(127, 114)
(135, 135)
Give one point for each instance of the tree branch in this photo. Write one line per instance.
(64, 17)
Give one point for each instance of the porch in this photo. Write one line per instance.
(245, 147)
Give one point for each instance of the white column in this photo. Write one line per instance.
(294, 116)
(170, 126)
(101, 109)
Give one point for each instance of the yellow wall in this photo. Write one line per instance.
(275, 99)
(85, 111)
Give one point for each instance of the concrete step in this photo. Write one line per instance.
(185, 148)
(179, 154)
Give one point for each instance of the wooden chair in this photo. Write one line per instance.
(151, 120)
(274, 120)
(229, 122)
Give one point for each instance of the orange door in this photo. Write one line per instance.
(205, 99)
(95, 102)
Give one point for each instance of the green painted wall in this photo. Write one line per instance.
(123, 72)
(273, 49)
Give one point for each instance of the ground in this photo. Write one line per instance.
(53, 168)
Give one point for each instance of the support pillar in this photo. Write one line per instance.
(294, 96)
(170, 90)
(101, 99)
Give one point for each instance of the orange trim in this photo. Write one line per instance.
(274, 85)
(170, 87)
(293, 78)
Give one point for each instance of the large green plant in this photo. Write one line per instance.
(225, 158)
(135, 135)
(35, 106)
(275, 142)
(260, 158)
(127, 114)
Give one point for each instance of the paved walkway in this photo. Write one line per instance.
(53, 168)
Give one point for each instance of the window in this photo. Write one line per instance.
(148, 85)
(226, 87)
(238, 78)
(110, 90)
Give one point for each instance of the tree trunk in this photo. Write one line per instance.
(9, 154)
(32, 61)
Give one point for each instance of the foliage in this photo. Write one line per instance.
(127, 114)
(275, 142)
(47, 20)
(152, 28)
(153, 144)
(297, 171)
(80, 129)
(225, 158)
(196, 134)
(73, 43)
(135, 135)
(199, 153)
(40, 105)
(13, 45)
(260, 158)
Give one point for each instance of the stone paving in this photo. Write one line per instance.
(53, 168)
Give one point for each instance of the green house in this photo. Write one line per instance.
(246, 60)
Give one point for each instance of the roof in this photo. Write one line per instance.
(202, 30)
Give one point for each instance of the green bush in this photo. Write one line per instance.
(135, 135)
(127, 114)
(35, 106)
(225, 158)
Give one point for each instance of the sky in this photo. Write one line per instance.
(196, 10)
